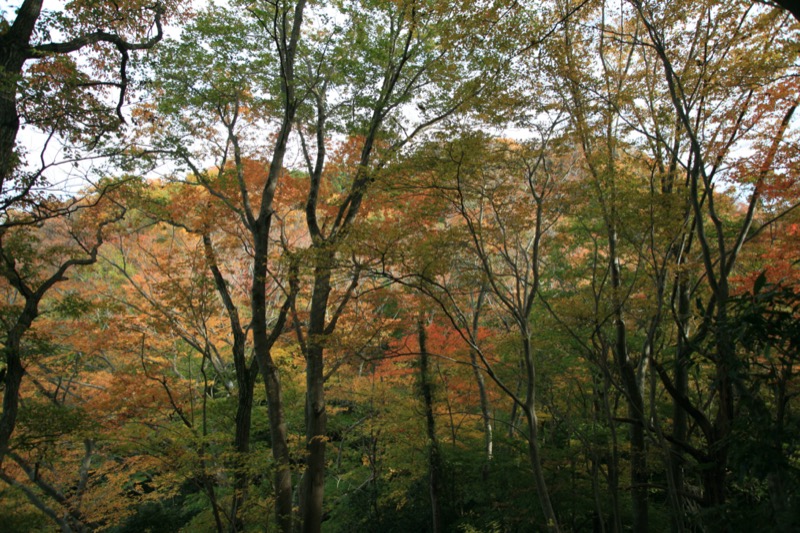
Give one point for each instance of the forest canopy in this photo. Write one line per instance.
(399, 265)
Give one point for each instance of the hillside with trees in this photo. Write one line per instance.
(399, 265)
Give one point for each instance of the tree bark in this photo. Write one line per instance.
(313, 483)
(486, 414)
(633, 394)
(272, 383)
(529, 411)
(679, 416)
(14, 45)
(245, 380)
(287, 38)
(244, 411)
(434, 455)
(538, 472)
(12, 381)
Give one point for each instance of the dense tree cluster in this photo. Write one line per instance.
(399, 265)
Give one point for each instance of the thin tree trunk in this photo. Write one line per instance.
(245, 380)
(207, 482)
(679, 415)
(715, 476)
(612, 462)
(633, 395)
(538, 472)
(434, 455)
(486, 414)
(529, 411)
(514, 415)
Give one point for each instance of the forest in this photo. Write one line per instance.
(399, 265)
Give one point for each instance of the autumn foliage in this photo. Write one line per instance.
(399, 265)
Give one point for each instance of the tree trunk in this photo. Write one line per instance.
(538, 472)
(15, 370)
(244, 410)
(12, 380)
(679, 415)
(633, 394)
(434, 456)
(280, 449)
(486, 414)
(714, 477)
(529, 411)
(272, 383)
(14, 44)
(313, 483)
(245, 380)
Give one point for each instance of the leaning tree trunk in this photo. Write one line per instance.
(529, 412)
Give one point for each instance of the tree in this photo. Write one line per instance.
(46, 87)
(574, 221)
(404, 67)
(161, 254)
(599, 133)
(31, 269)
(232, 76)
(479, 180)
(713, 135)
(355, 78)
